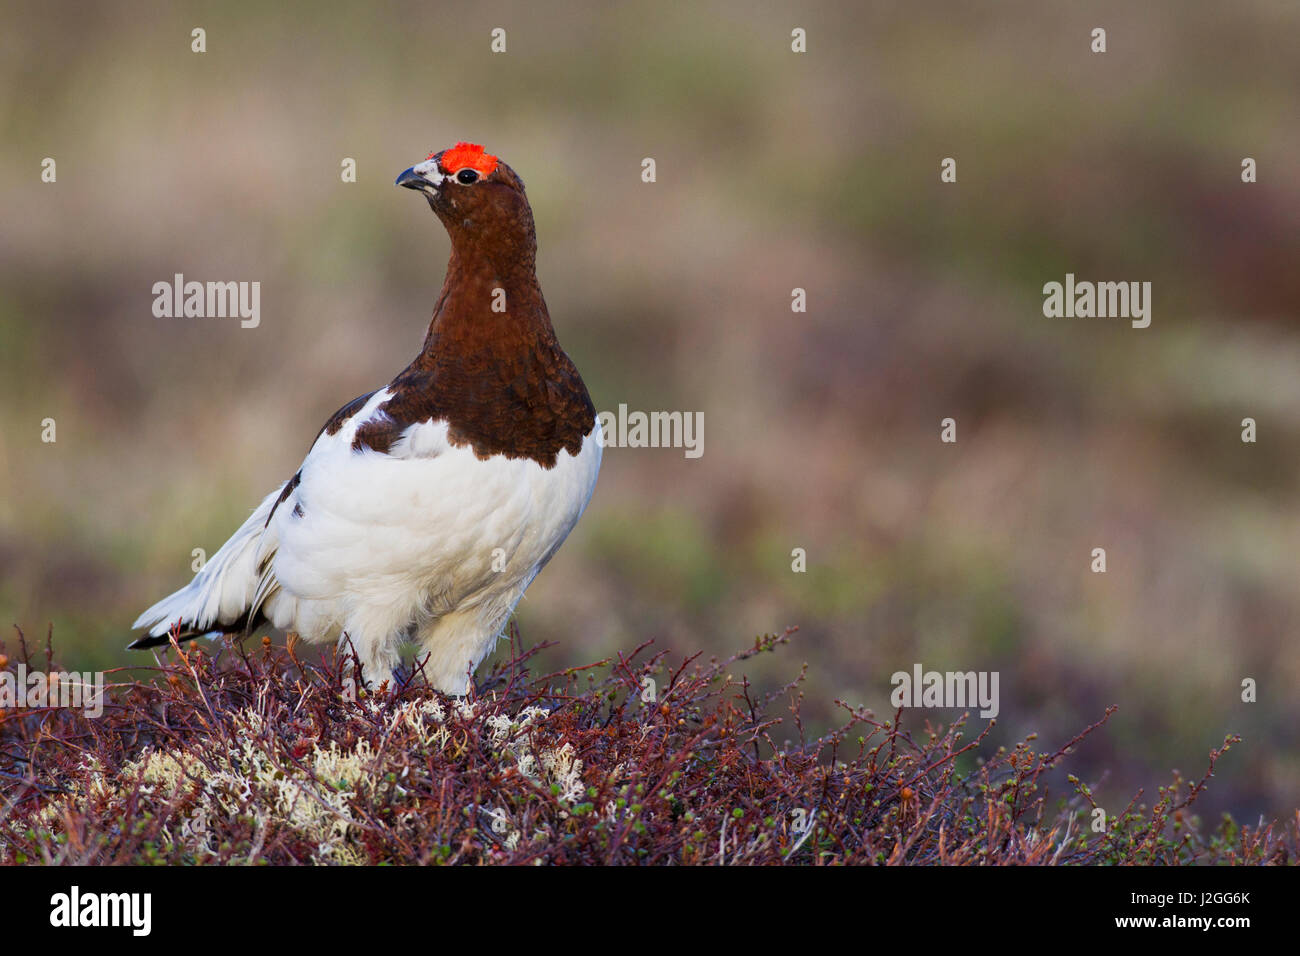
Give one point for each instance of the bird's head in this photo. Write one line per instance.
(477, 197)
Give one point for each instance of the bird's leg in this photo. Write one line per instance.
(402, 676)
(377, 657)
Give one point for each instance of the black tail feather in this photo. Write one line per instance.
(240, 628)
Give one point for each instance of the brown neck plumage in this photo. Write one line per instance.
(491, 366)
(489, 305)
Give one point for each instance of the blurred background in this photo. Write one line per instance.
(775, 170)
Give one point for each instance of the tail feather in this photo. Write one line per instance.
(220, 598)
(244, 625)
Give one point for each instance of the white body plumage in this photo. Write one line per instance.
(426, 541)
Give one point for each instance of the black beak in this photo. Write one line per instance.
(411, 179)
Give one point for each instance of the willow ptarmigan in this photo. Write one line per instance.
(425, 508)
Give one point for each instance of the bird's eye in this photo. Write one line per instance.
(466, 176)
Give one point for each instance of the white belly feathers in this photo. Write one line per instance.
(384, 546)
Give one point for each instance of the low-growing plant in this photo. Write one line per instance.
(247, 754)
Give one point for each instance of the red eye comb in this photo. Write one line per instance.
(467, 156)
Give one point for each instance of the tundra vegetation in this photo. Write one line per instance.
(247, 753)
